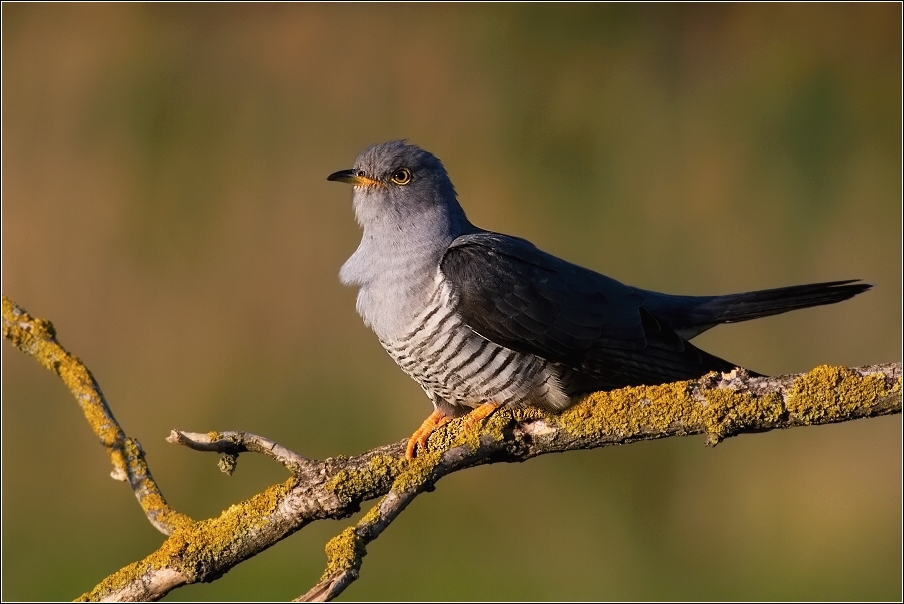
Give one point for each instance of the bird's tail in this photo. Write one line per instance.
(692, 315)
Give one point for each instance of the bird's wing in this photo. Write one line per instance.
(514, 294)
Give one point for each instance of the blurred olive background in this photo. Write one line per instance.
(165, 205)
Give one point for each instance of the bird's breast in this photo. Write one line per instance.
(395, 282)
(458, 368)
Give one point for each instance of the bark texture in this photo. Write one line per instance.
(719, 406)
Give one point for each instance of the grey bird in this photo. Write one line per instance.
(483, 320)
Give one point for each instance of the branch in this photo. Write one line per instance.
(230, 444)
(37, 337)
(719, 406)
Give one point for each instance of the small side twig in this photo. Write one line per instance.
(37, 338)
(230, 444)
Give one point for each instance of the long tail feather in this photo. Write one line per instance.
(692, 315)
(753, 305)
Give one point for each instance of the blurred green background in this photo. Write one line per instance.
(165, 205)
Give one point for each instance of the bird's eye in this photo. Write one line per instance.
(402, 176)
(360, 173)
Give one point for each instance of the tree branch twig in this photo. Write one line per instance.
(719, 406)
(37, 338)
(231, 443)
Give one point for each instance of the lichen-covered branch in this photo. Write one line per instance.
(37, 337)
(718, 406)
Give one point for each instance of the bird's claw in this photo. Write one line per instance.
(480, 413)
(420, 436)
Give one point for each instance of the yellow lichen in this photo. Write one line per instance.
(629, 412)
(27, 333)
(36, 337)
(208, 539)
(728, 411)
(344, 551)
(823, 394)
(444, 438)
(830, 393)
(417, 470)
(384, 471)
(117, 581)
(195, 546)
(367, 483)
(372, 515)
(637, 412)
(454, 433)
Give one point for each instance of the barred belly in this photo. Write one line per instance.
(460, 369)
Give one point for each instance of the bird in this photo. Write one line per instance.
(483, 320)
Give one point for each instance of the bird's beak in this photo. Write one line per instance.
(352, 177)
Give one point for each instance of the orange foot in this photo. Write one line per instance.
(481, 412)
(420, 436)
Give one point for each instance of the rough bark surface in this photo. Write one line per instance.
(719, 406)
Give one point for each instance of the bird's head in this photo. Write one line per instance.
(403, 186)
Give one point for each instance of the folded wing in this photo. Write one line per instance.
(514, 294)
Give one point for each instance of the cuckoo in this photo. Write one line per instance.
(483, 320)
